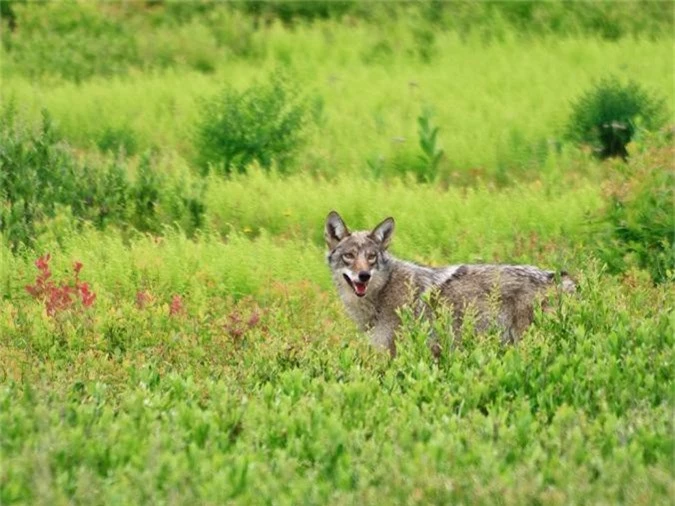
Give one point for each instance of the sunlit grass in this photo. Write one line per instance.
(217, 365)
(494, 102)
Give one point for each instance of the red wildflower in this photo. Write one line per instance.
(42, 263)
(142, 299)
(253, 319)
(176, 306)
(88, 297)
(42, 286)
(58, 297)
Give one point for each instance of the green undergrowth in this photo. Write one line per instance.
(258, 228)
(276, 400)
(210, 370)
(172, 336)
(462, 224)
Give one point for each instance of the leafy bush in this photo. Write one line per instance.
(290, 11)
(117, 138)
(262, 124)
(71, 39)
(605, 117)
(38, 175)
(431, 153)
(35, 175)
(638, 224)
(146, 194)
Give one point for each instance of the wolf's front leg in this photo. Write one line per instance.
(424, 310)
(382, 334)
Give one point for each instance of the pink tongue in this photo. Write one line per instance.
(360, 288)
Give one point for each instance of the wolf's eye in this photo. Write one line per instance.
(348, 257)
(372, 257)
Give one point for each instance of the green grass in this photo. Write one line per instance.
(487, 122)
(120, 404)
(260, 390)
(217, 366)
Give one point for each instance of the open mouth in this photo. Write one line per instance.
(358, 287)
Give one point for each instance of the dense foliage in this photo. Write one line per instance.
(636, 228)
(607, 116)
(172, 336)
(41, 178)
(262, 124)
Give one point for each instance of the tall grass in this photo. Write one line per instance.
(212, 362)
(228, 400)
(443, 225)
(499, 105)
(273, 230)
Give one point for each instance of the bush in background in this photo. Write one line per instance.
(605, 117)
(74, 40)
(79, 40)
(35, 175)
(39, 175)
(288, 12)
(262, 124)
(116, 139)
(431, 152)
(637, 226)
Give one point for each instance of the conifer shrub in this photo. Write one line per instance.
(607, 116)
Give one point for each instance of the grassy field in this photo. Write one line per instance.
(171, 336)
(369, 111)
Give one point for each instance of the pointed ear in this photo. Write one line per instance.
(384, 232)
(335, 230)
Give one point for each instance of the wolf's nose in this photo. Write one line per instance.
(364, 276)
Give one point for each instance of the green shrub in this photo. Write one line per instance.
(431, 153)
(74, 40)
(262, 124)
(35, 175)
(117, 138)
(638, 224)
(605, 116)
(288, 12)
(146, 195)
(159, 199)
(39, 176)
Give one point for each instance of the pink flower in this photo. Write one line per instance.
(253, 319)
(88, 297)
(42, 263)
(142, 299)
(176, 307)
(61, 296)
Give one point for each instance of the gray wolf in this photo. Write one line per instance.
(374, 286)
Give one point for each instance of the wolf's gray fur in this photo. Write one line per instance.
(373, 285)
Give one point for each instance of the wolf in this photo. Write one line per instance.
(374, 286)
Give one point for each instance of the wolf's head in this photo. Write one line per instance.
(358, 259)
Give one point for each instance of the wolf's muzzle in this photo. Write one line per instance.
(359, 287)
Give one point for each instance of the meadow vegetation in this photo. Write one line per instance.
(168, 328)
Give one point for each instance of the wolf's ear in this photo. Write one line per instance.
(335, 230)
(383, 232)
